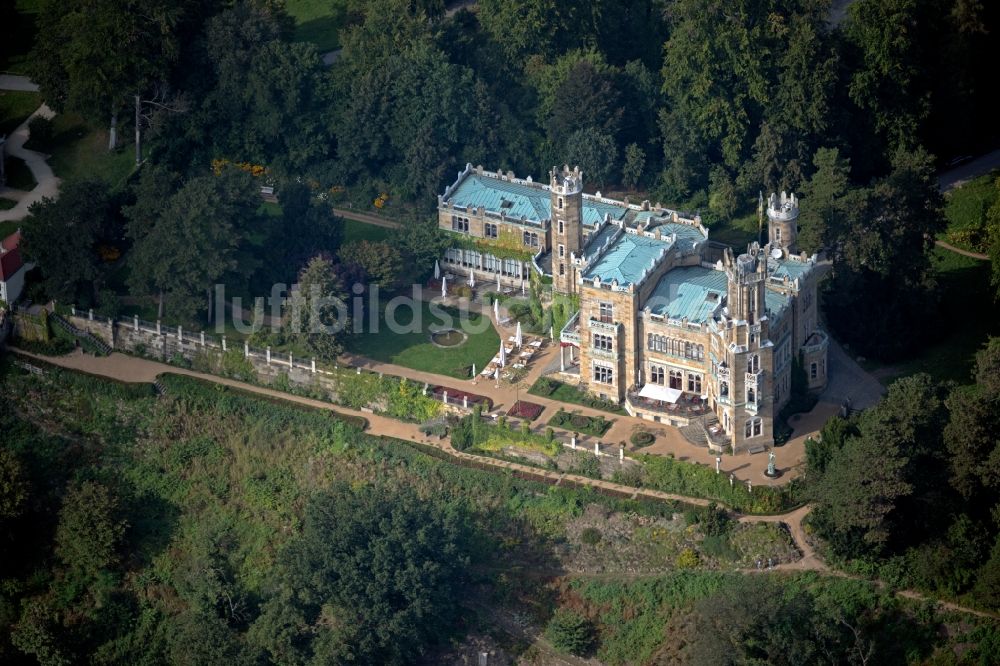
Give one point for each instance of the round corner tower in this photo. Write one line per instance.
(566, 192)
(782, 221)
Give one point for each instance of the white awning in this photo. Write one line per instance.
(657, 392)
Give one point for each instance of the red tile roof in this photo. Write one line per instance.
(10, 256)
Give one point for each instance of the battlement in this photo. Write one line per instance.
(566, 182)
(785, 208)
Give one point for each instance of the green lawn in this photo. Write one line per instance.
(15, 107)
(968, 317)
(19, 175)
(79, 151)
(358, 231)
(414, 349)
(318, 21)
(556, 390)
(966, 212)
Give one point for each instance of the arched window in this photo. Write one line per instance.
(694, 383)
(687, 350)
(701, 352)
(723, 389)
(753, 427)
(751, 396)
(753, 363)
(656, 374)
(677, 380)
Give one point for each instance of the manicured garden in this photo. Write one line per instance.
(580, 423)
(473, 433)
(556, 390)
(673, 476)
(525, 410)
(414, 349)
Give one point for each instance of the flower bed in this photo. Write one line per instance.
(455, 397)
(591, 425)
(525, 410)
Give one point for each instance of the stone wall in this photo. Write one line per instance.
(206, 353)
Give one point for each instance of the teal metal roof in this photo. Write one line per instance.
(596, 240)
(594, 211)
(531, 202)
(691, 292)
(790, 267)
(626, 259)
(775, 303)
(686, 234)
(525, 201)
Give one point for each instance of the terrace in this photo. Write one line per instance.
(653, 402)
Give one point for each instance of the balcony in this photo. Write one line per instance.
(570, 333)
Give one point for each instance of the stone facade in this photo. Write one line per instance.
(665, 316)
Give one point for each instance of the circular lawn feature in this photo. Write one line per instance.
(642, 438)
(448, 337)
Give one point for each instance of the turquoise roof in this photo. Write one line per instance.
(531, 202)
(691, 292)
(790, 267)
(525, 201)
(775, 302)
(594, 211)
(596, 239)
(685, 232)
(626, 259)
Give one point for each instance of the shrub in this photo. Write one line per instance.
(178, 359)
(570, 632)
(590, 536)
(586, 464)
(688, 559)
(642, 438)
(40, 131)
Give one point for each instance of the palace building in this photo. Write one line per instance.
(674, 327)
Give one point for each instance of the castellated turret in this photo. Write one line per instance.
(746, 276)
(782, 221)
(566, 202)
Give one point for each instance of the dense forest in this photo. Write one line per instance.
(701, 105)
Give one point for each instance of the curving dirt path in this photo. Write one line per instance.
(367, 218)
(964, 253)
(47, 185)
(132, 369)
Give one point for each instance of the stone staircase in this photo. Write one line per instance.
(694, 432)
(160, 389)
(91, 339)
